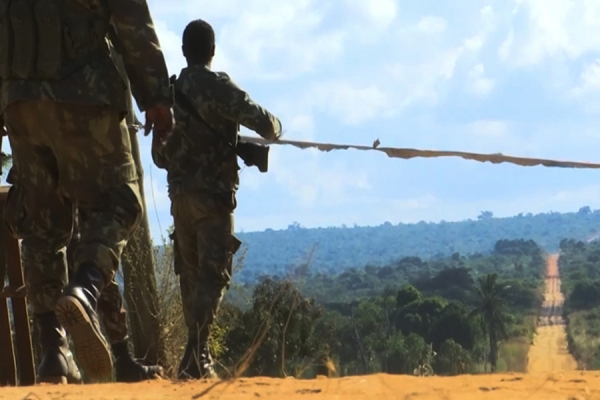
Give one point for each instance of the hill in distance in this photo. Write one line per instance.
(333, 250)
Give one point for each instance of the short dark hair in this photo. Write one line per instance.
(198, 41)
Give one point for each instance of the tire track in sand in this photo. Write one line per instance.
(549, 350)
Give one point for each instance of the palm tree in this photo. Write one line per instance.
(492, 311)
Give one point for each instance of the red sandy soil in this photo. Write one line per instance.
(551, 375)
(549, 351)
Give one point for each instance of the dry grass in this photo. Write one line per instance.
(512, 355)
(174, 331)
(584, 339)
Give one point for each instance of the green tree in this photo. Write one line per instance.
(407, 295)
(452, 359)
(492, 311)
(6, 162)
(280, 325)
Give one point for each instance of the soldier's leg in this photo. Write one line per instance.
(185, 254)
(97, 170)
(36, 213)
(110, 303)
(114, 319)
(210, 271)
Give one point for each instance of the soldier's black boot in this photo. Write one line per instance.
(76, 311)
(130, 370)
(57, 364)
(196, 362)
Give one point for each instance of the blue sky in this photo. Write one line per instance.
(517, 77)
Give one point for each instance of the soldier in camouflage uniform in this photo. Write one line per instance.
(110, 306)
(202, 172)
(110, 303)
(64, 103)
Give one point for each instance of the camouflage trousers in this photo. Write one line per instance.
(204, 245)
(68, 154)
(110, 304)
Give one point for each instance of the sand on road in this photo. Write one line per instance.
(551, 375)
(549, 350)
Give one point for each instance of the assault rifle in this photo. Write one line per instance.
(253, 154)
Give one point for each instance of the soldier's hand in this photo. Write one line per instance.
(279, 132)
(160, 121)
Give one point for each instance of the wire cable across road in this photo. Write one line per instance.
(406, 153)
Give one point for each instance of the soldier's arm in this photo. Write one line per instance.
(2, 128)
(141, 52)
(233, 103)
(159, 158)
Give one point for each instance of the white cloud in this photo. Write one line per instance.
(300, 127)
(506, 47)
(268, 40)
(491, 136)
(432, 25)
(373, 14)
(473, 43)
(350, 104)
(487, 23)
(391, 63)
(488, 18)
(311, 181)
(586, 91)
(170, 43)
(589, 79)
(282, 43)
(489, 128)
(419, 81)
(481, 84)
(555, 29)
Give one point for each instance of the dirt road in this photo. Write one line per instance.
(551, 376)
(549, 351)
(570, 385)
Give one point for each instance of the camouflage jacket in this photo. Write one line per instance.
(97, 80)
(201, 155)
(131, 119)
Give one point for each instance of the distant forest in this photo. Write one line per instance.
(334, 250)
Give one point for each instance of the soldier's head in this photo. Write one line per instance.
(198, 43)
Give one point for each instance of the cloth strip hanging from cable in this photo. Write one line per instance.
(405, 153)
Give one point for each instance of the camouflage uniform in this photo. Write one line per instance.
(64, 103)
(202, 173)
(110, 302)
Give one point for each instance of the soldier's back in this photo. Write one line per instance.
(64, 59)
(207, 91)
(201, 154)
(63, 101)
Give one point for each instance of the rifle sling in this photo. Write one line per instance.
(183, 101)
